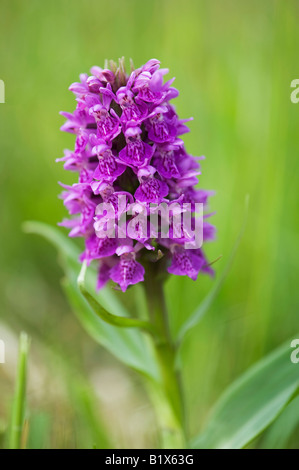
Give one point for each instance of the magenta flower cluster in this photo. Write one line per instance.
(127, 143)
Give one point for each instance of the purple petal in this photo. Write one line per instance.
(127, 271)
(185, 263)
(151, 190)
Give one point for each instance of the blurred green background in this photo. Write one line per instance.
(233, 62)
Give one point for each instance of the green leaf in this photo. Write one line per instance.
(129, 345)
(252, 403)
(281, 431)
(197, 315)
(18, 409)
(126, 345)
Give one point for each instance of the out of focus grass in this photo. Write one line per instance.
(234, 62)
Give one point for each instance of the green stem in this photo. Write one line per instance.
(167, 398)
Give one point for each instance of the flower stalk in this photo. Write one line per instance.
(168, 401)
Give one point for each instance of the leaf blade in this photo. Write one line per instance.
(252, 402)
(18, 410)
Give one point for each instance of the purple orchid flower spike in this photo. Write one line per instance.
(128, 153)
